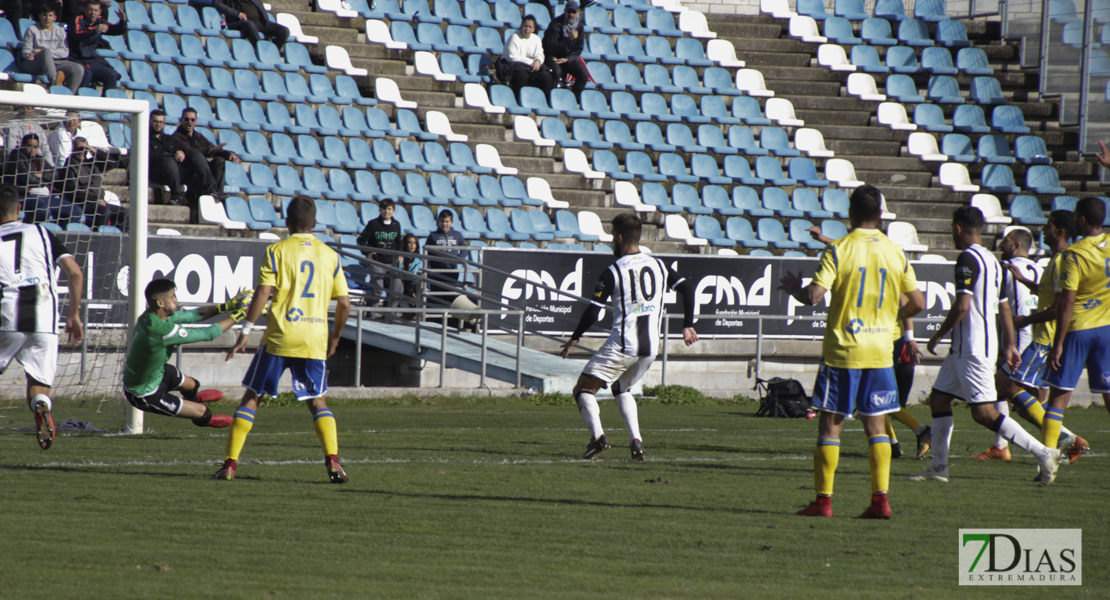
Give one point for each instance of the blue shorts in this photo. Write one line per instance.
(310, 375)
(1031, 373)
(871, 392)
(1086, 348)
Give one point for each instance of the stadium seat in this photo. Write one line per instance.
(903, 89)
(839, 31)
(937, 61)
(893, 10)
(924, 146)
(952, 34)
(805, 171)
(771, 230)
(893, 115)
(656, 196)
(676, 228)
(973, 61)
(710, 137)
(991, 208)
(930, 117)
(739, 229)
(769, 169)
(863, 86)
(686, 197)
(1043, 179)
(955, 176)
(865, 58)
(747, 199)
(969, 118)
(750, 81)
(902, 59)
(986, 90)
(995, 149)
(814, 9)
(717, 199)
(812, 143)
(798, 233)
(1008, 119)
(833, 57)
(709, 229)
(842, 173)
(748, 111)
(929, 10)
(998, 179)
(905, 235)
(877, 32)
(738, 169)
(776, 200)
(804, 27)
(914, 32)
(957, 147)
(1031, 150)
(1027, 210)
(775, 141)
(778, 9)
(805, 200)
(680, 136)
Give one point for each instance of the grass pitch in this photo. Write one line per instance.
(465, 498)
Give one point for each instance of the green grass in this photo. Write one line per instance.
(482, 498)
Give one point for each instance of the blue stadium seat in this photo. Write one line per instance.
(1008, 119)
(629, 77)
(903, 89)
(799, 234)
(586, 131)
(9, 66)
(412, 152)
(262, 210)
(710, 137)
(833, 229)
(704, 168)
(738, 169)
(452, 64)
(877, 32)
(138, 18)
(641, 165)
(298, 88)
(534, 100)
(450, 11)
(212, 25)
(805, 171)
(656, 195)
(776, 200)
(973, 61)
(238, 210)
(741, 138)
(608, 163)
(914, 32)
(461, 154)
(866, 59)
(418, 193)
(836, 202)
(1063, 203)
(771, 230)
(408, 125)
(986, 90)
(435, 155)
(367, 184)
(628, 21)
(995, 149)
(937, 61)
(603, 76)
(564, 102)
(998, 179)
(624, 104)
(499, 222)
(944, 89)
(740, 230)
(746, 108)
(188, 22)
(502, 95)
(930, 117)
(618, 133)
(713, 108)
(233, 143)
(1031, 150)
(513, 188)
(850, 9)
(805, 200)
(775, 141)
(660, 22)
(690, 51)
(659, 50)
(478, 12)
(902, 59)
(600, 47)
(491, 189)
(747, 200)
(522, 223)
(680, 136)
(717, 81)
(952, 34)
(684, 108)
(629, 48)
(969, 118)
(1043, 179)
(813, 8)
(673, 167)
(261, 177)
(769, 169)
(958, 148)
(429, 34)
(839, 31)
(554, 129)
(929, 10)
(716, 197)
(709, 229)
(1027, 210)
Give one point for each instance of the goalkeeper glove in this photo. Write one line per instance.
(241, 300)
(238, 314)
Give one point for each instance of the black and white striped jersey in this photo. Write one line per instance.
(28, 283)
(1023, 301)
(637, 285)
(979, 273)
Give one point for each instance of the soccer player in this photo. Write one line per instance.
(1082, 337)
(866, 274)
(980, 310)
(29, 305)
(303, 275)
(149, 379)
(636, 283)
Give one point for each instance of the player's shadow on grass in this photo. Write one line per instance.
(553, 501)
(105, 470)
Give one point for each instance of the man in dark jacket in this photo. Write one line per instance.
(383, 232)
(81, 182)
(164, 158)
(202, 164)
(249, 17)
(562, 45)
(85, 33)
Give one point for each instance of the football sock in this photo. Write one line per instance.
(240, 427)
(890, 431)
(627, 405)
(1032, 408)
(1009, 429)
(825, 459)
(942, 437)
(906, 418)
(323, 421)
(878, 451)
(1003, 408)
(591, 414)
(1053, 422)
(191, 395)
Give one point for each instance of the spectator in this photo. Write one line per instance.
(444, 239)
(384, 232)
(202, 168)
(165, 158)
(85, 33)
(81, 182)
(414, 266)
(61, 139)
(25, 167)
(250, 18)
(521, 63)
(24, 123)
(562, 45)
(14, 10)
(45, 51)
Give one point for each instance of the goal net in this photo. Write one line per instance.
(77, 162)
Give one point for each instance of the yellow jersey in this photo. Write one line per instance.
(1085, 269)
(305, 275)
(1043, 333)
(866, 274)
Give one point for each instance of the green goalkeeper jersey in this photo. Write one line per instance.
(153, 346)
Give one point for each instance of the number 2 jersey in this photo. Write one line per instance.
(305, 274)
(28, 285)
(636, 285)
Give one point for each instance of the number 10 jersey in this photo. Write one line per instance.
(637, 285)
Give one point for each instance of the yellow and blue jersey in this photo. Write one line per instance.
(1043, 333)
(1085, 268)
(866, 274)
(305, 275)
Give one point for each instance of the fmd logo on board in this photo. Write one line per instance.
(1021, 557)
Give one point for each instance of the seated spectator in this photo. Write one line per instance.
(521, 63)
(165, 158)
(81, 182)
(85, 33)
(24, 123)
(45, 51)
(444, 239)
(61, 139)
(202, 167)
(250, 18)
(562, 45)
(384, 232)
(410, 288)
(25, 168)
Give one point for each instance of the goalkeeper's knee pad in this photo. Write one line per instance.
(202, 421)
(191, 395)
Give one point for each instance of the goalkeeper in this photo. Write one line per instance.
(149, 379)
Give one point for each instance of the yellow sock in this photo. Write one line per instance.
(890, 430)
(1053, 421)
(906, 418)
(240, 427)
(1034, 409)
(825, 459)
(324, 423)
(878, 450)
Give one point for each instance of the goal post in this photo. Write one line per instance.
(135, 253)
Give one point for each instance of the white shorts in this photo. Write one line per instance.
(610, 364)
(37, 352)
(968, 378)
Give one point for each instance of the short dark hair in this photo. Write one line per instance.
(300, 214)
(9, 200)
(385, 203)
(535, 23)
(445, 213)
(45, 7)
(968, 217)
(1023, 237)
(628, 226)
(157, 113)
(188, 109)
(1064, 220)
(27, 138)
(1093, 210)
(93, 3)
(866, 204)
(158, 288)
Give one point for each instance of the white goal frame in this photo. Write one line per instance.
(137, 192)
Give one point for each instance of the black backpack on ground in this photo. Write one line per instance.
(784, 398)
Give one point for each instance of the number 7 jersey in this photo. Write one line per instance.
(305, 275)
(636, 284)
